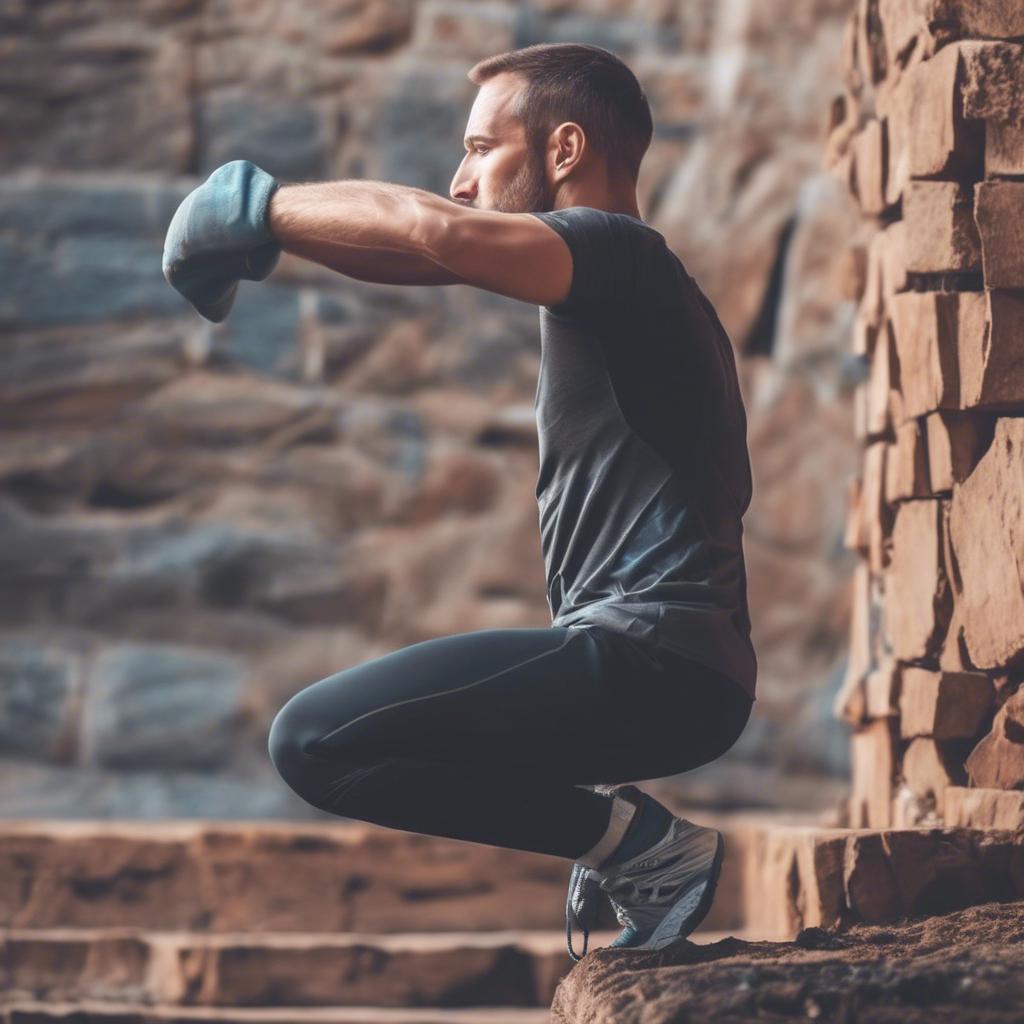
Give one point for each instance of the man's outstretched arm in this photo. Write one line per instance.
(396, 234)
(370, 230)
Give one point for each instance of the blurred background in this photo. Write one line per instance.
(198, 520)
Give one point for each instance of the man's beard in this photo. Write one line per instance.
(527, 191)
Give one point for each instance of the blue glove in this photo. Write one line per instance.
(219, 236)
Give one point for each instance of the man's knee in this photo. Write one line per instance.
(288, 739)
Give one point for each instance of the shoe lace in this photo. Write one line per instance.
(577, 957)
(582, 890)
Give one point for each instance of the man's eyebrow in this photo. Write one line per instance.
(478, 138)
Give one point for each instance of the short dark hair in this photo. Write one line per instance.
(582, 83)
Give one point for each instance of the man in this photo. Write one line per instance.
(524, 738)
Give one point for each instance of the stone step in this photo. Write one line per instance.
(267, 876)
(87, 1012)
(802, 876)
(780, 874)
(513, 969)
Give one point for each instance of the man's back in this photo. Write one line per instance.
(644, 470)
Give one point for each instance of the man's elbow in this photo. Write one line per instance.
(433, 227)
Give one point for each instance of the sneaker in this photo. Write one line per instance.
(663, 893)
(659, 896)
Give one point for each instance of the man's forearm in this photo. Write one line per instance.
(371, 230)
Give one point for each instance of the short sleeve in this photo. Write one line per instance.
(604, 259)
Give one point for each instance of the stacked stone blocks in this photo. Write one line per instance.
(928, 135)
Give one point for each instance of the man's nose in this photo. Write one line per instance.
(461, 192)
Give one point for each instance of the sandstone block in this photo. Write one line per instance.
(848, 56)
(999, 213)
(955, 442)
(945, 705)
(878, 514)
(869, 887)
(841, 172)
(917, 594)
(869, 169)
(271, 876)
(873, 753)
(843, 118)
(997, 762)
(864, 335)
(988, 19)
(898, 104)
(941, 233)
(992, 80)
(871, 696)
(853, 265)
(872, 59)
(992, 93)
(31, 970)
(904, 28)
(893, 258)
(937, 870)
(925, 326)
(819, 860)
(925, 871)
(929, 94)
(897, 406)
(1004, 148)
(871, 310)
(855, 536)
(849, 702)
(883, 376)
(928, 768)
(990, 328)
(804, 876)
(860, 412)
(882, 689)
(906, 464)
(886, 272)
(986, 527)
(984, 808)
(794, 879)
(953, 656)
(955, 92)
(770, 857)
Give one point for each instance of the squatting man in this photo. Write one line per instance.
(532, 738)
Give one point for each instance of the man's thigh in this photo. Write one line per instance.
(529, 698)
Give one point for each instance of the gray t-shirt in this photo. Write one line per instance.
(644, 471)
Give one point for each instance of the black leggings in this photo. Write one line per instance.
(489, 736)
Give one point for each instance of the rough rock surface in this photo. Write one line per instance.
(964, 967)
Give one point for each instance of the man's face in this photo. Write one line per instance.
(499, 171)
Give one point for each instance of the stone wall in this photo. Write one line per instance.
(198, 520)
(929, 136)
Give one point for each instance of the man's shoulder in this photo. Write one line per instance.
(594, 215)
(610, 236)
(617, 260)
